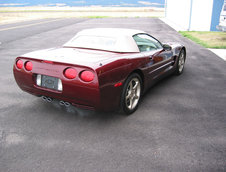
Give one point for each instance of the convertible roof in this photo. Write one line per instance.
(110, 32)
(123, 39)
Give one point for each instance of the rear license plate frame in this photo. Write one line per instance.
(49, 82)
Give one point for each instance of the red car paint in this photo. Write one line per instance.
(104, 91)
(101, 93)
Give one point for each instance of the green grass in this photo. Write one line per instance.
(94, 17)
(207, 39)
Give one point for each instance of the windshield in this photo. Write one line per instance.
(90, 41)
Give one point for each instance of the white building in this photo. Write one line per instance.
(196, 15)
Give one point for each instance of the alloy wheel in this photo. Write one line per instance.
(133, 93)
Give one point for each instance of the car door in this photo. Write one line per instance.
(158, 59)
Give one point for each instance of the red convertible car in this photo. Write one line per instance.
(99, 69)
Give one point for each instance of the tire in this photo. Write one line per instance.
(131, 94)
(180, 62)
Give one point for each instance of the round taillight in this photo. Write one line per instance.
(70, 73)
(28, 66)
(19, 64)
(87, 76)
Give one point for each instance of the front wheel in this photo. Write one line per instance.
(131, 93)
(180, 62)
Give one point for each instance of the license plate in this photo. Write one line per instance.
(49, 82)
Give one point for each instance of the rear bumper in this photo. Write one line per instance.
(86, 96)
(77, 102)
(80, 95)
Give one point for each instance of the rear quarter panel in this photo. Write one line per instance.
(115, 72)
(118, 70)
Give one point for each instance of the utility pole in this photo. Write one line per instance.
(191, 5)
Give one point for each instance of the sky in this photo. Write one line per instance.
(116, 3)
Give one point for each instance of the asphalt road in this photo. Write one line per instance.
(180, 124)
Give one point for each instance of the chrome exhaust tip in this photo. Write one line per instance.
(49, 99)
(44, 98)
(67, 104)
(62, 103)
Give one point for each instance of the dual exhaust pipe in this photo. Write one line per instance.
(63, 103)
(49, 99)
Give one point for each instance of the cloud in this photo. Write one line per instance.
(79, 2)
(57, 4)
(115, 5)
(126, 4)
(148, 3)
(13, 4)
(60, 4)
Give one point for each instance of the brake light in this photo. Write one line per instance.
(70, 73)
(87, 76)
(19, 64)
(28, 66)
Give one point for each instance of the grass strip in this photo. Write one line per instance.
(207, 39)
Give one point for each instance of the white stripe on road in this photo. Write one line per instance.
(27, 25)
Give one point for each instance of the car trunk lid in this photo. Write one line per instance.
(77, 56)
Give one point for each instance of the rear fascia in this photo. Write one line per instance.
(75, 91)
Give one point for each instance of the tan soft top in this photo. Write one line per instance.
(109, 39)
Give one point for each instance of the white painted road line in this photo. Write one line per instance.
(27, 25)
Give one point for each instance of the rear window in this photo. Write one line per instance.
(95, 42)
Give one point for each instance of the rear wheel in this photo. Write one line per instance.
(180, 62)
(131, 93)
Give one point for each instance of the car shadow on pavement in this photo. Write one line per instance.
(72, 112)
(161, 83)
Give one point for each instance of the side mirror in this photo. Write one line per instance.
(167, 47)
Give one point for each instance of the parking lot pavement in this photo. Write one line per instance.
(179, 126)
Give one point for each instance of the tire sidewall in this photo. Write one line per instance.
(125, 85)
(177, 67)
